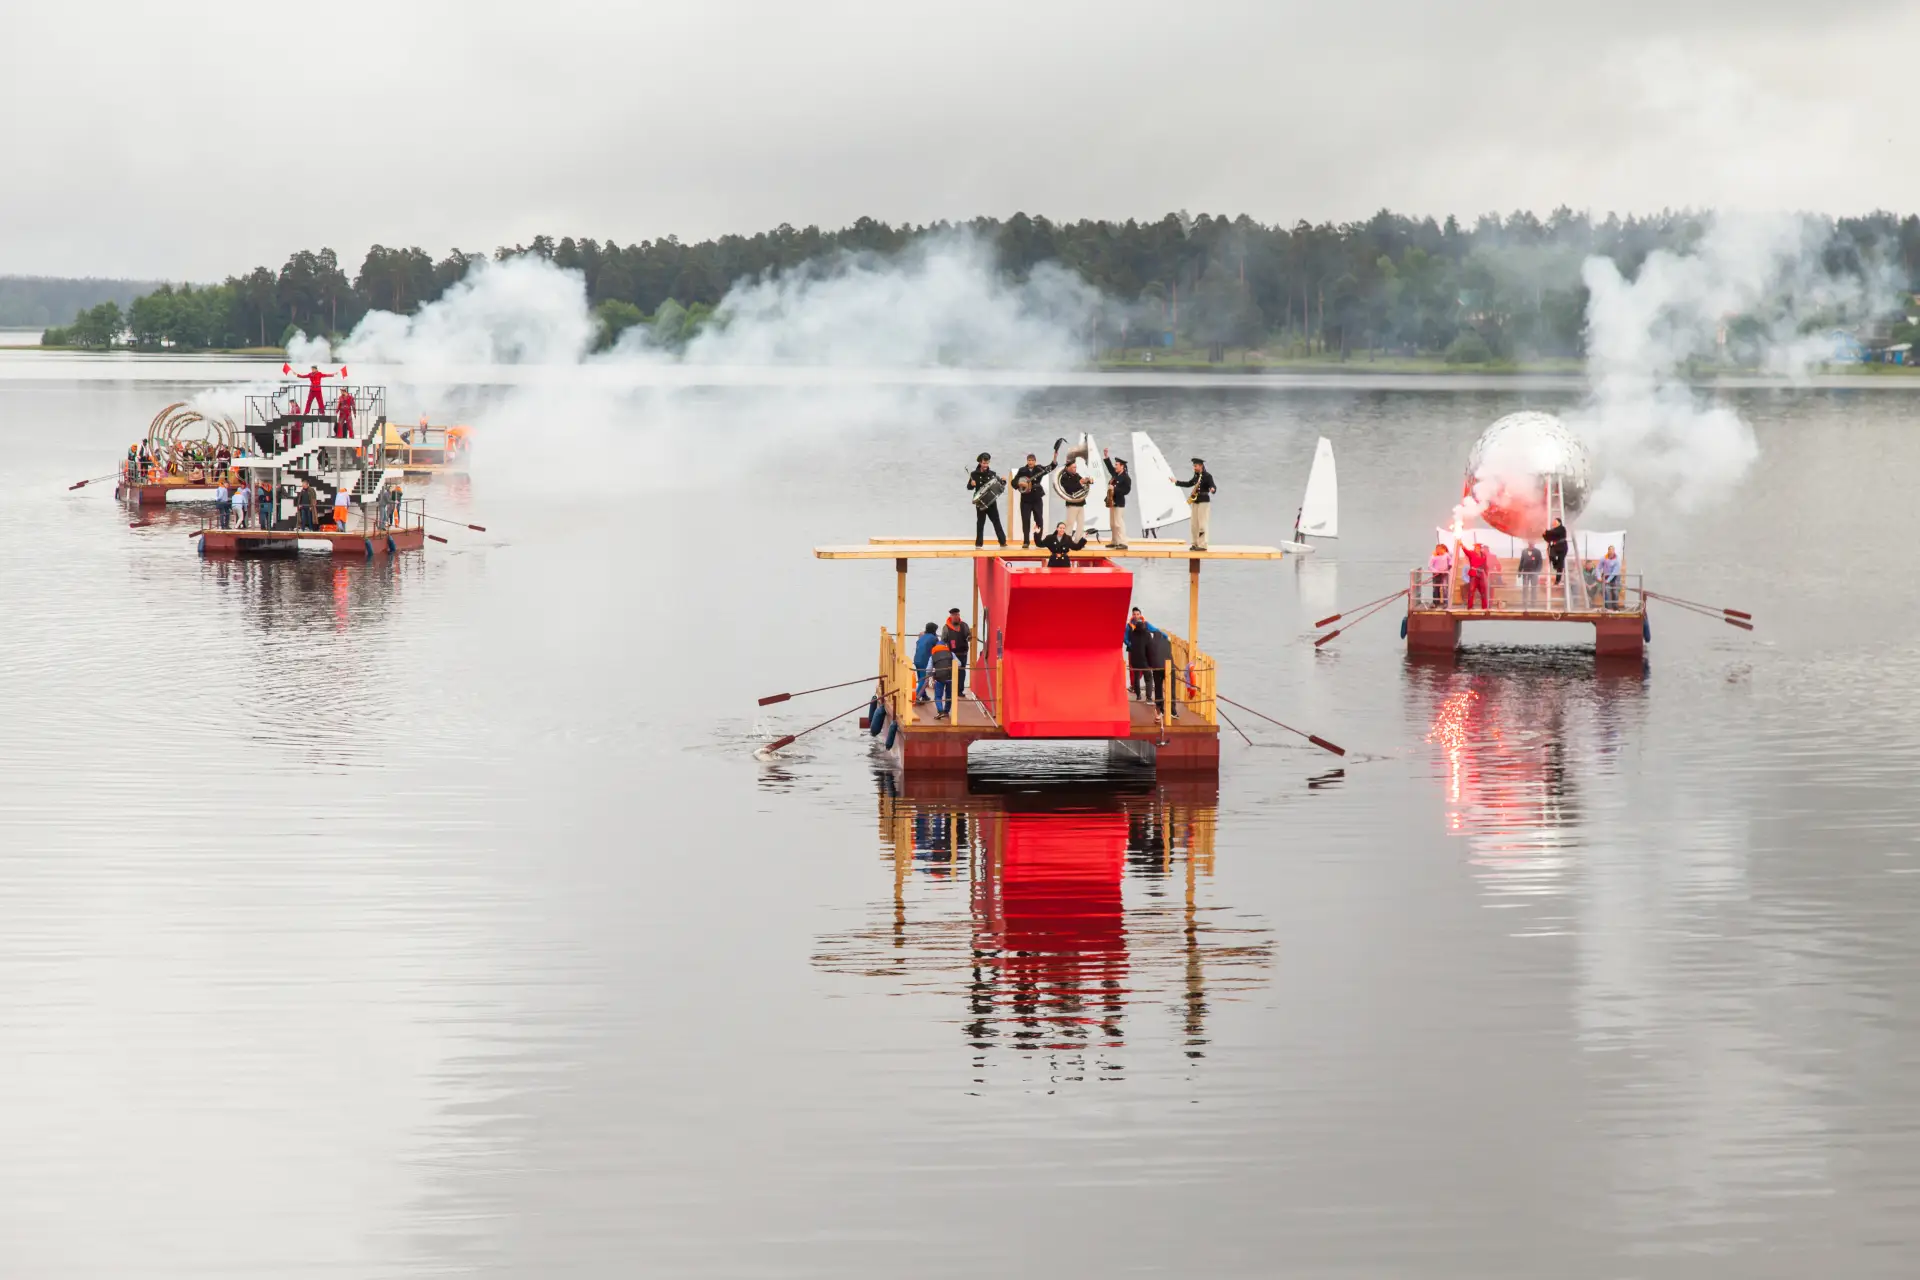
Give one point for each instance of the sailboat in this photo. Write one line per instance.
(1319, 515)
(1155, 499)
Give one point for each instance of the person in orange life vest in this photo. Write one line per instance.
(940, 665)
(343, 412)
(342, 501)
(955, 634)
(1477, 575)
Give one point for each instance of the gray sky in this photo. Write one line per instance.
(198, 139)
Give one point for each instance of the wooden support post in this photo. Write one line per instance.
(1193, 610)
(900, 605)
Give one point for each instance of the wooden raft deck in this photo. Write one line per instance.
(1188, 742)
(370, 545)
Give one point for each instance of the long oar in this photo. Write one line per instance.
(1314, 738)
(1359, 618)
(95, 480)
(1236, 728)
(772, 698)
(790, 738)
(1704, 612)
(1705, 608)
(477, 528)
(1357, 608)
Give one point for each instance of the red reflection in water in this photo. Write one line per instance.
(1053, 922)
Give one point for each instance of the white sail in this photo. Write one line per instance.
(1155, 500)
(1320, 509)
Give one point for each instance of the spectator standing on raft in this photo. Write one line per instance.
(1119, 485)
(1608, 571)
(223, 503)
(1438, 569)
(242, 493)
(262, 502)
(1159, 657)
(955, 635)
(1057, 545)
(1201, 500)
(1556, 540)
(940, 664)
(1138, 633)
(306, 503)
(1530, 562)
(922, 651)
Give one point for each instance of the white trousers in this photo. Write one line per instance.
(1117, 521)
(1076, 514)
(1201, 511)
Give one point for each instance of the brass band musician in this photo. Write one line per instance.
(982, 478)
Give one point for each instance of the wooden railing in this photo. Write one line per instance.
(1190, 680)
(896, 679)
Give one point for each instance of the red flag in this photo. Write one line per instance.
(286, 368)
(343, 371)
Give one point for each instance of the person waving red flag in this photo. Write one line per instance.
(316, 401)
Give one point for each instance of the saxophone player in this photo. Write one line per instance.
(983, 478)
(1201, 498)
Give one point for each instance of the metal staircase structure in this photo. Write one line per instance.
(337, 453)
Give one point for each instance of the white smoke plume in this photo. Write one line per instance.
(936, 334)
(1756, 281)
(941, 302)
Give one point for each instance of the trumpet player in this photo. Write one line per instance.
(983, 478)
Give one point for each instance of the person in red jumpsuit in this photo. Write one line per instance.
(343, 411)
(316, 401)
(1477, 575)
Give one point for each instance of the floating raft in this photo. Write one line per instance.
(1045, 661)
(370, 545)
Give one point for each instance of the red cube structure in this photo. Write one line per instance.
(1053, 638)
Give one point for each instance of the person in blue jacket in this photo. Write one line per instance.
(922, 654)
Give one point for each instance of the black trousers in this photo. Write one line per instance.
(1033, 517)
(960, 671)
(1157, 679)
(1559, 563)
(981, 515)
(1136, 680)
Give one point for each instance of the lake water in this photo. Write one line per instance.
(435, 917)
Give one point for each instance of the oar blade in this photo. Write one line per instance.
(1323, 639)
(1324, 745)
(1327, 622)
(1738, 613)
(772, 698)
(478, 528)
(778, 743)
(1735, 622)
(436, 537)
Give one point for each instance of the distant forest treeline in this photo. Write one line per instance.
(34, 302)
(1498, 288)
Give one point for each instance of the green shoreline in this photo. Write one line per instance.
(1183, 362)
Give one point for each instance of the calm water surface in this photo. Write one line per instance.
(435, 918)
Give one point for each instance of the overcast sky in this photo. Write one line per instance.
(196, 139)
